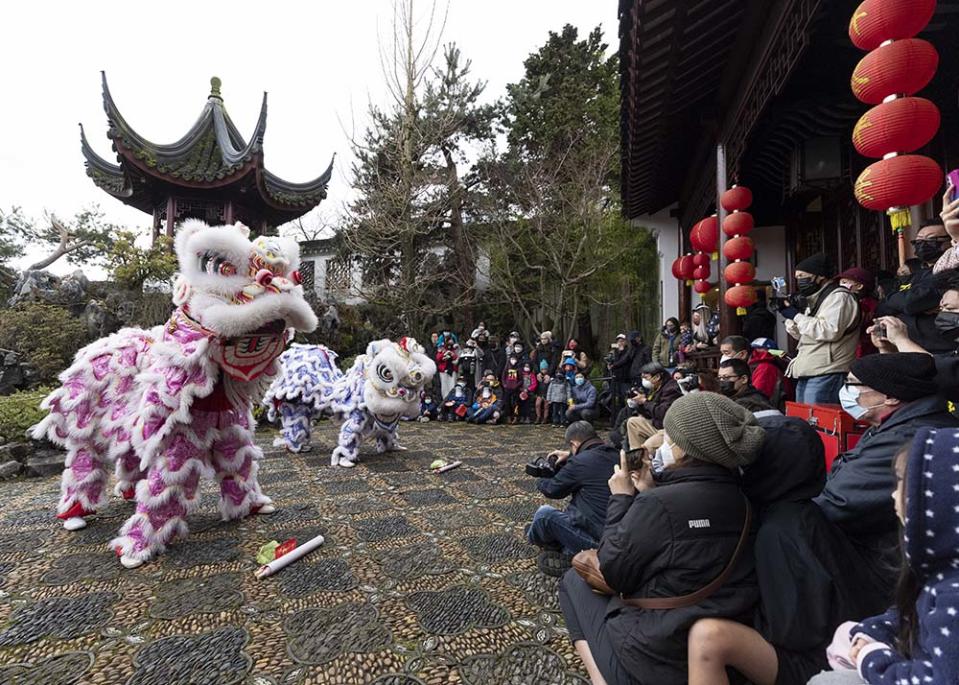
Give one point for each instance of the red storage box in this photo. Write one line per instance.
(838, 431)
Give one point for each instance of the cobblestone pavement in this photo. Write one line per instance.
(423, 578)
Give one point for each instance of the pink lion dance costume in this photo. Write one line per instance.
(173, 403)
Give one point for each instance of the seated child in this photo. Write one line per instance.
(457, 403)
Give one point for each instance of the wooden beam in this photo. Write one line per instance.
(729, 323)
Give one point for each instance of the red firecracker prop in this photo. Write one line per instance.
(740, 272)
(898, 66)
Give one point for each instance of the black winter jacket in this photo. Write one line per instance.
(857, 493)
(655, 408)
(620, 368)
(913, 305)
(642, 355)
(670, 541)
(585, 476)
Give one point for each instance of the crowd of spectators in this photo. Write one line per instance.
(705, 539)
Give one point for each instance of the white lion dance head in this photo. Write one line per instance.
(396, 373)
(246, 292)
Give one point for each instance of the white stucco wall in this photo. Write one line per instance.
(666, 230)
(770, 242)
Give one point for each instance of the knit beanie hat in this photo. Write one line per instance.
(862, 276)
(713, 428)
(906, 376)
(817, 265)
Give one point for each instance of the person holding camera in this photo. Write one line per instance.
(581, 473)
(825, 319)
(661, 391)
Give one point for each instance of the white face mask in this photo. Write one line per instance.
(663, 457)
(648, 384)
(486, 392)
(725, 358)
(849, 399)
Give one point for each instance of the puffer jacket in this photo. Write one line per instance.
(932, 545)
(666, 542)
(828, 333)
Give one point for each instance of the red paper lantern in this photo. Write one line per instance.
(738, 223)
(702, 287)
(684, 272)
(736, 198)
(676, 268)
(740, 296)
(903, 67)
(704, 236)
(740, 272)
(738, 248)
(876, 21)
(701, 259)
(900, 181)
(701, 272)
(902, 125)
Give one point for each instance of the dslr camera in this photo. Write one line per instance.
(781, 295)
(543, 467)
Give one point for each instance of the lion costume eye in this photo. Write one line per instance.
(216, 265)
(384, 374)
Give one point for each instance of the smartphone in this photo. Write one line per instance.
(953, 178)
(881, 331)
(636, 459)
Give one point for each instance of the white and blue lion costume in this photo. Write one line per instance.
(382, 387)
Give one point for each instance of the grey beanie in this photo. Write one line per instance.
(713, 428)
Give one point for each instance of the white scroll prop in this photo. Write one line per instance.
(289, 558)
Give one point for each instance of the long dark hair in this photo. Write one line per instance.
(909, 586)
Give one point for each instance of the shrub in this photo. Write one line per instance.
(46, 336)
(19, 411)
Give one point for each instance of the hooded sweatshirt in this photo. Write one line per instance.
(932, 550)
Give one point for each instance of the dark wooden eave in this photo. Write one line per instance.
(212, 155)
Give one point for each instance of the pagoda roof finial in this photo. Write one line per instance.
(215, 84)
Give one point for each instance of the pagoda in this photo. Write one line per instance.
(211, 173)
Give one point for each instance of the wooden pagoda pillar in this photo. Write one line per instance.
(729, 323)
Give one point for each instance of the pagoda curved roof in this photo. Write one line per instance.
(211, 154)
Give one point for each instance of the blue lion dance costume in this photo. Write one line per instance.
(382, 387)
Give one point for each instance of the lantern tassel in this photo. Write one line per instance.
(900, 217)
(740, 311)
(715, 256)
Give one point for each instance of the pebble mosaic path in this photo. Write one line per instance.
(424, 579)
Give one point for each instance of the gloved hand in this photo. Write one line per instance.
(788, 312)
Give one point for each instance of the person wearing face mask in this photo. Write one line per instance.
(495, 356)
(767, 370)
(950, 221)
(447, 362)
(619, 369)
(487, 406)
(546, 350)
(666, 344)
(861, 283)
(668, 535)
(661, 391)
(512, 382)
(734, 382)
(916, 301)
(582, 473)
(896, 394)
(457, 403)
(583, 400)
(897, 337)
(827, 331)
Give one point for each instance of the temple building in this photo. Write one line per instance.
(757, 92)
(211, 173)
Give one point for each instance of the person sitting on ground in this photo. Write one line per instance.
(672, 538)
(457, 403)
(826, 323)
(661, 392)
(582, 398)
(558, 395)
(487, 406)
(805, 590)
(428, 409)
(947, 325)
(915, 641)
(734, 377)
(667, 343)
(861, 283)
(767, 372)
(896, 394)
(583, 473)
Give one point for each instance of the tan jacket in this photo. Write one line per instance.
(828, 339)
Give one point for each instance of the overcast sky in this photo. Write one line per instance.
(319, 62)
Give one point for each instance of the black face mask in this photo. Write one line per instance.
(727, 387)
(947, 323)
(929, 250)
(807, 286)
(670, 330)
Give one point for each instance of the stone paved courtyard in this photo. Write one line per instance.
(423, 578)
